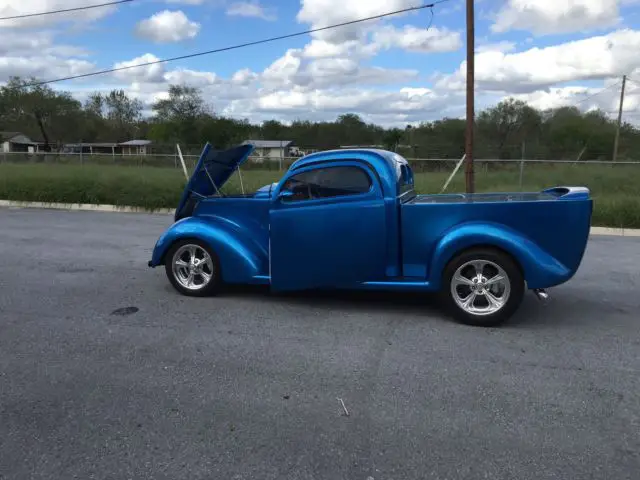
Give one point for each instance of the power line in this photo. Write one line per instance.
(596, 93)
(235, 47)
(633, 81)
(87, 7)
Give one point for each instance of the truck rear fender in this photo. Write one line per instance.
(241, 258)
(539, 268)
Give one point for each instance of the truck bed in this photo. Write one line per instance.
(557, 220)
(483, 197)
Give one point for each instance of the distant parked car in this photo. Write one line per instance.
(352, 219)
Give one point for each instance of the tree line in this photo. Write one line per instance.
(509, 130)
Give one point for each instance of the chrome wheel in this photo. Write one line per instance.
(192, 267)
(480, 287)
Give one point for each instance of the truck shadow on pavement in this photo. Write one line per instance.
(420, 306)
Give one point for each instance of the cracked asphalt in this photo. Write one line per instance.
(246, 385)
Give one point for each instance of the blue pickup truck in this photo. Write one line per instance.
(351, 219)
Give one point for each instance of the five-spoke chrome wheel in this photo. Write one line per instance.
(483, 286)
(192, 268)
(480, 287)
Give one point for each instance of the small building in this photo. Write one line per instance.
(135, 147)
(91, 148)
(16, 142)
(270, 149)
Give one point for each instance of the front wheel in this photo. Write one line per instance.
(193, 268)
(482, 287)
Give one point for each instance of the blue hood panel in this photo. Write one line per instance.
(213, 169)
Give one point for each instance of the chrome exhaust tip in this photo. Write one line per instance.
(541, 294)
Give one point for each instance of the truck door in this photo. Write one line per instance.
(327, 228)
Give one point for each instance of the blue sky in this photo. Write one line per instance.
(392, 71)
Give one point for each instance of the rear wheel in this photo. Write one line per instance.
(192, 268)
(482, 287)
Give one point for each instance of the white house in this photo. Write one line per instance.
(270, 149)
(16, 142)
(135, 147)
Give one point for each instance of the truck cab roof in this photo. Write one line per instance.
(393, 170)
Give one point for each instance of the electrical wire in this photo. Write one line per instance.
(87, 7)
(633, 81)
(597, 93)
(238, 46)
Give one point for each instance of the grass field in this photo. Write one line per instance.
(615, 188)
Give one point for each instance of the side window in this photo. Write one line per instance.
(405, 181)
(328, 182)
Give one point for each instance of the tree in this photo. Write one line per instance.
(509, 123)
(112, 117)
(181, 110)
(39, 111)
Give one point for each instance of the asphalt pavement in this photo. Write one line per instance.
(107, 373)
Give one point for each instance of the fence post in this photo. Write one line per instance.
(522, 163)
(81, 156)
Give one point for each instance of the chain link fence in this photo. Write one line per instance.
(430, 173)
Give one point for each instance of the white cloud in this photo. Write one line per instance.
(556, 16)
(16, 43)
(250, 9)
(244, 77)
(148, 73)
(43, 67)
(321, 13)
(418, 39)
(403, 106)
(503, 46)
(594, 58)
(294, 69)
(192, 78)
(10, 8)
(167, 26)
(589, 98)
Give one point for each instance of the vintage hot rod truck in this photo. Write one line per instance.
(352, 219)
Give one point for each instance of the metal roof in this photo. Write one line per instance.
(269, 143)
(9, 135)
(136, 143)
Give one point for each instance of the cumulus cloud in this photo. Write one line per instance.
(294, 69)
(250, 9)
(16, 43)
(553, 16)
(43, 67)
(594, 58)
(10, 8)
(417, 39)
(167, 26)
(503, 46)
(403, 105)
(148, 73)
(321, 13)
(604, 98)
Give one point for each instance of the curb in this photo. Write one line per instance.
(91, 207)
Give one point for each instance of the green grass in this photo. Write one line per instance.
(614, 188)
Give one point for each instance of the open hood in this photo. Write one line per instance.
(212, 171)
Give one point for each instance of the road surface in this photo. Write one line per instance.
(246, 385)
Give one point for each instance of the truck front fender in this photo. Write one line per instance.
(540, 269)
(241, 258)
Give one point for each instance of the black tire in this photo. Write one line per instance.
(497, 258)
(212, 286)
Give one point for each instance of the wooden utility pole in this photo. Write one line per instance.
(615, 142)
(468, 149)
